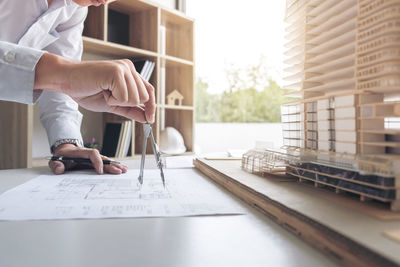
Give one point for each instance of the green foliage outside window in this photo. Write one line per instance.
(252, 97)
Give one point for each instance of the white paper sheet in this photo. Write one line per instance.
(84, 195)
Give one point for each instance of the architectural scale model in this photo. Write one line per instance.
(343, 62)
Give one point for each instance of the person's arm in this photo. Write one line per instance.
(111, 86)
(17, 72)
(107, 86)
(59, 114)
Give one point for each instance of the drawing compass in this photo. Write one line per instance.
(148, 133)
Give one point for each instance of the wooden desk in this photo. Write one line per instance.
(345, 229)
(245, 240)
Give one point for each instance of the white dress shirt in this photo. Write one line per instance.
(29, 27)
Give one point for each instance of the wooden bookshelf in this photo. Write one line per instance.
(122, 29)
(131, 29)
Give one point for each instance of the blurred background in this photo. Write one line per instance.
(239, 64)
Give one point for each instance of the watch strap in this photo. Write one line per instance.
(60, 142)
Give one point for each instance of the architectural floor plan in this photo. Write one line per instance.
(88, 195)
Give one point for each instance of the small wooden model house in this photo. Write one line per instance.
(175, 98)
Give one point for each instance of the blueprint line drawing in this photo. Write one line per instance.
(85, 195)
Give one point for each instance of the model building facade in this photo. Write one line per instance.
(343, 64)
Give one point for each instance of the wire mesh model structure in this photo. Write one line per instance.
(369, 177)
(343, 62)
(264, 161)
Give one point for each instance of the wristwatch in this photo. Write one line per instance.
(60, 142)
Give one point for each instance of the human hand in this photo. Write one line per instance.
(116, 87)
(98, 103)
(70, 150)
(105, 86)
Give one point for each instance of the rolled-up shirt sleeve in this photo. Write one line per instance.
(17, 72)
(60, 117)
(59, 113)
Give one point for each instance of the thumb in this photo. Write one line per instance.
(57, 167)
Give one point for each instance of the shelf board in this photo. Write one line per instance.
(131, 6)
(168, 15)
(176, 107)
(108, 48)
(175, 61)
(100, 46)
(174, 16)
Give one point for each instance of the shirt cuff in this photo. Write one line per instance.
(75, 142)
(65, 128)
(17, 67)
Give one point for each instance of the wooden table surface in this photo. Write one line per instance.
(243, 240)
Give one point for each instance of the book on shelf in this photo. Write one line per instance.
(118, 27)
(120, 137)
(117, 139)
(181, 5)
(151, 69)
(162, 93)
(145, 68)
(128, 141)
(163, 51)
(126, 136)
(110, 139)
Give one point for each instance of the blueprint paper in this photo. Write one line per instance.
(84, 195)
